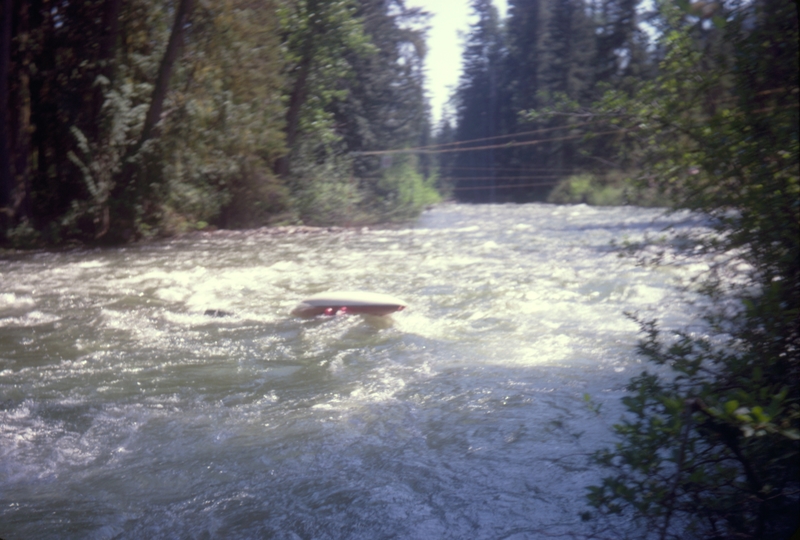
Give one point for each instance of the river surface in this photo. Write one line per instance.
(127, 412)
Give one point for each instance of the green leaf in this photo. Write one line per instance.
(758, 412)
(731, 406)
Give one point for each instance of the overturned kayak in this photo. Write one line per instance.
(356, 302)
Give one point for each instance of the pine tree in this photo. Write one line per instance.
(549, 61)
(618, 40)
(384, 107)
(479, 97)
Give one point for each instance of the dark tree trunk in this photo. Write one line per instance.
(125, 195)
(297, 98)
(165, 70)
(299, 93)
(105, 58)
(5, 156)
(21, 131)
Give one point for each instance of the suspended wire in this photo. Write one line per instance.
(446, 148)
(443, 148)
(495, 137)
(538, 184)
(512, 144)
(524, 169)
(460, 178)
(525, 143)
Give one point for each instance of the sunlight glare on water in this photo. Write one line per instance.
(128, 412)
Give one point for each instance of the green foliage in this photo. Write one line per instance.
(24, 236)
(479, 104)
(403, 191)
(584, 188)
(323, 191)
(353, 87)
(101, 159)
(265, 99)
(714, 448)
(319, 36)
(226, 131)
(384, 108)
(611, 189)
(546, 57)
(711, 449)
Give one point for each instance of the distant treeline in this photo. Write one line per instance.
(529, 82)
(128, 119)
(545, 54)
(125, 119)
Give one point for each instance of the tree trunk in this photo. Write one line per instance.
(124, 196)
(299, 93)
(296, 100)
(105, 58)
(5, 156)
(20, 148)
(165, 70)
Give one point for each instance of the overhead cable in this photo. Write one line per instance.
(512, 144)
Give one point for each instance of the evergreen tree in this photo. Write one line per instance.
(93, 85)
(550, 47)
(124, 119)
(552, 55)
(320, 35)
(444, 139)
(226, 128)
(385, 108)
(565, 74)
(478, 111)
(617, 46)
(365, 94)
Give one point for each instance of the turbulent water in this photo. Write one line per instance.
(128, 412)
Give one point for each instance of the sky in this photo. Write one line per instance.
(443, 63)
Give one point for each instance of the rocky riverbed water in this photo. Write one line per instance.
(128, 411)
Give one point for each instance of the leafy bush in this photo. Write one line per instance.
(322, 191)
(257, 198)
(23, 236)
(402, 192)
(711, 448)
(585, 188)
(611, 189)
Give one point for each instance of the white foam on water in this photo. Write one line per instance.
(13, 301)
(30, 319)
(459, 417)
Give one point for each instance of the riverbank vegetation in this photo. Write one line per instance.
(615, 188)
(126, 119)
(712, 449)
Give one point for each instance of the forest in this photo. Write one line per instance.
(125, 120)
(542, 111)
(132, 119)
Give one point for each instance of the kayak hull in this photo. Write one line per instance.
(354, 302)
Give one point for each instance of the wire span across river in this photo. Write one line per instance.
(126, 411)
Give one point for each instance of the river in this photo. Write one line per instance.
(127, 412)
